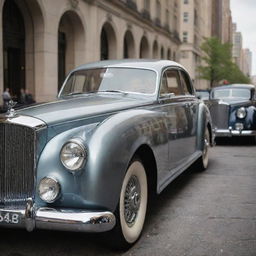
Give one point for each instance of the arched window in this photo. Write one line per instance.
(162, 52)
(144, 48)
(155, 50)
(129, 45)
(13, 48)
(107, 42)
(71, 40)
(104, 45)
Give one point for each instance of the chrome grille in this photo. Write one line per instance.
(17, 162)
(220, 115)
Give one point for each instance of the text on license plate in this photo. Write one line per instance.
(9, 217)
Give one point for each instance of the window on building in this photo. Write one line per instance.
(185, 16)
(195, 18)
(185, 1)
(167, 17)
(185, 37)
(147, 5)
(175, 23)
(158, 9)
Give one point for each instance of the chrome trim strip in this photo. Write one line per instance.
(229, 133)
(73, 220)
(28, 121)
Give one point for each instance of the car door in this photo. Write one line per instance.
(179, 118)
(191, 110)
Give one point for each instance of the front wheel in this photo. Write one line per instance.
(203, 161)
(132, 207)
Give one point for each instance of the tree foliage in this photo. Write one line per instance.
(218, 63)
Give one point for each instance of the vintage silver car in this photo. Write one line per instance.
(119, 132)
(233, 110)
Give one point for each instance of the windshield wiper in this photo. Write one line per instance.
(78, 93)
(117, 91)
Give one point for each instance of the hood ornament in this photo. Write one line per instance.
(10, 108)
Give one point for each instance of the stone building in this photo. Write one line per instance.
(237, 46)
(42, 40)
(246, 60)
(222, 20)
(195, 25)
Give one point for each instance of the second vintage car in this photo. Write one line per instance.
(89, 161)
(233, 110)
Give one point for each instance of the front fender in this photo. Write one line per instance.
(111, 145)
(204, 120)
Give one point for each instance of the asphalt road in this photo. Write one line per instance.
(209, 213)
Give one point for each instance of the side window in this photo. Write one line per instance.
(185, 82)
(172, 82)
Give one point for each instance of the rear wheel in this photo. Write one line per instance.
(132, 207)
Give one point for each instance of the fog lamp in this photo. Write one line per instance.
(49, 189)
(239, 126)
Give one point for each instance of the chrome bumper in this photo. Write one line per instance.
(230, 133)
(60, 219)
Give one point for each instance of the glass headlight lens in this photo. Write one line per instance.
(49, 189)
(241, 112)
(73, 155)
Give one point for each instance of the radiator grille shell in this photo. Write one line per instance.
(17, 164)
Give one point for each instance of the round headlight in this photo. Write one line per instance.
(48, 189)
(241, 112)
(73, 155)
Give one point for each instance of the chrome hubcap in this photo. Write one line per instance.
(132, 200)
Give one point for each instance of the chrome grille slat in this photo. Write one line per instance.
(220, 115)
(17, 150)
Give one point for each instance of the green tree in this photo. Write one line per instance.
(218, 63)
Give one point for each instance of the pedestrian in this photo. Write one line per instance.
(29, 97)
(22, 97)
(6, 98)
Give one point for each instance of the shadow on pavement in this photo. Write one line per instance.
(236, 141)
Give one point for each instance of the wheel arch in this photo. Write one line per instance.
(146, 155)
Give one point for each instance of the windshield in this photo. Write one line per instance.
(128, 80)
(232, 93)
(203, 94)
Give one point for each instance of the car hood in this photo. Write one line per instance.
(235, 102)
(64, 110)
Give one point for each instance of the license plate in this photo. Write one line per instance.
(9, 217)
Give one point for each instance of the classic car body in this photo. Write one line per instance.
(66, 165)
(233, 110)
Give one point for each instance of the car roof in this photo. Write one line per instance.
(245, 86)
(157, 65)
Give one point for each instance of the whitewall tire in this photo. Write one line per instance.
(132, 207)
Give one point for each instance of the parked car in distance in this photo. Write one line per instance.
(89, 161)
(233, 110)
(203, 94)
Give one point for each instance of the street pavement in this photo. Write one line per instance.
(199, 214)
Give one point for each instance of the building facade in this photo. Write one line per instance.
(195, 25)
(42, 40)
(237, 46)
(222, 20)
(246, 66)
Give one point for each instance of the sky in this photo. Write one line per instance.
(244, 14)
